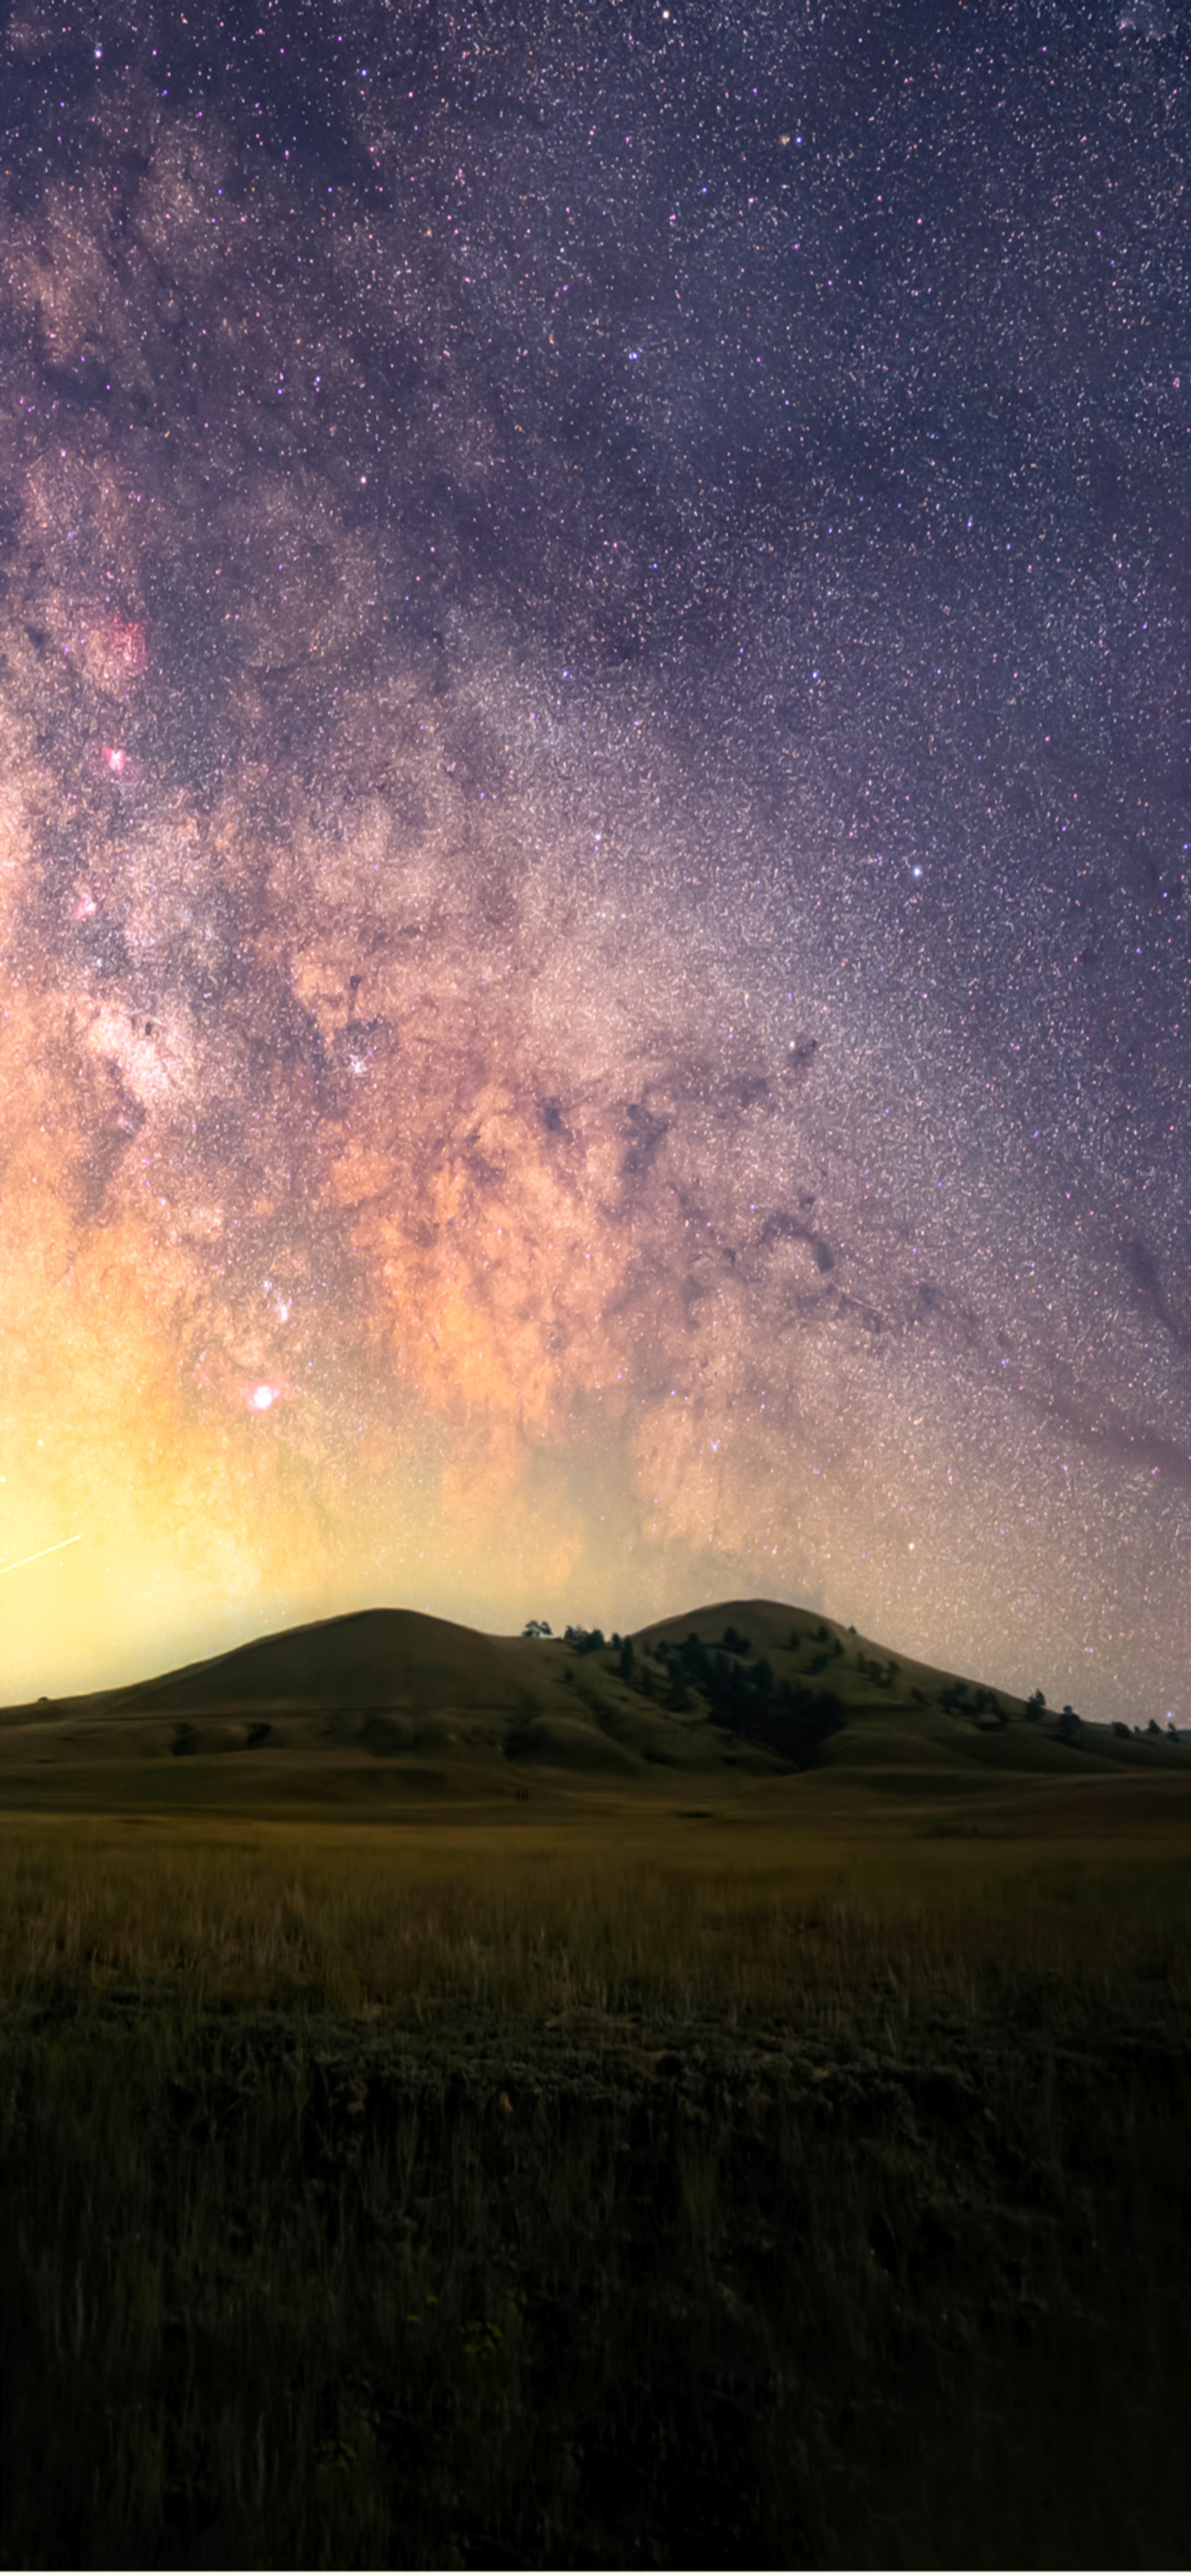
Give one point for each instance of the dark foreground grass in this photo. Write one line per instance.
(491, 2219)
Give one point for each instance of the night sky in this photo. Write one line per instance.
(594, 825)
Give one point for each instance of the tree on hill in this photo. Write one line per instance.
(537, 1628)
(1035, 1703)
(788, 1719)
(1069, 1725)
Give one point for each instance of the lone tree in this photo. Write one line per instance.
(537, 1628)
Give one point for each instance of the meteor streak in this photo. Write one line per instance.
(19, 1561)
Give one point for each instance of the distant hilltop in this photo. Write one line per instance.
(752, 1687)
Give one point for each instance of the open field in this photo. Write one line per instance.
(503, 2162)
(772, 1901)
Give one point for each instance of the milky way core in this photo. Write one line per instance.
(594, 753)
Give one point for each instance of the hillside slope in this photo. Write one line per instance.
(744, 1687)
(903, 1720)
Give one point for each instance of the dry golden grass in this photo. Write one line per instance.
(714, 1911)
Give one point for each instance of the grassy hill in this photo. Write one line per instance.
(746, 1688)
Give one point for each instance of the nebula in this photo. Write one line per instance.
(591, 911)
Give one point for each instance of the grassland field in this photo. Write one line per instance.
(439, 2157)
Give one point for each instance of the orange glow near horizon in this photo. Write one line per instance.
(540, 1073)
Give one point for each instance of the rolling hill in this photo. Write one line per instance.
(752, 1688)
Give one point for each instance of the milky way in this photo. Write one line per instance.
(594, 825)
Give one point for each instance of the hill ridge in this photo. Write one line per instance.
(743, 1685)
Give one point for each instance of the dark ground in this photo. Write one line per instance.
(286, 2291)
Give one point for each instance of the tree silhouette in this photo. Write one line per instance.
(586, 1641)
(786, 1718)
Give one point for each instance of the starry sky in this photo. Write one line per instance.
(595, 824)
